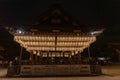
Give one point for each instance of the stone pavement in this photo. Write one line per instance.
(67, 78)
(3, 72)
(110, 72)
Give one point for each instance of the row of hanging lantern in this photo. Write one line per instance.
(74, 38)
(75, 52)
(40, 43)
(47, 43)
(18, 40)
(36, 38)
(51, 54)
(42, 48)
(52, 38)
(69, 48)
(55, 55)
(72, 46)
(57, 48)
(58, 43)
(70, 43)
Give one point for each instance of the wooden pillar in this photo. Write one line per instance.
(70, 57)
(48, 57)
(74, 58)
(21, 51)
(40, 57)
(89, 56)
(63, 58)
(35, 56)
(60, 58)
(79, 58)
(51, 57)
(31, 57)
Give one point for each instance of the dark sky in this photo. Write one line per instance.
(90, 12)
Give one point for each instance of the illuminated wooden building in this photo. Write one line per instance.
(54, 38)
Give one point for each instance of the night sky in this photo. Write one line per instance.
(92, 12)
